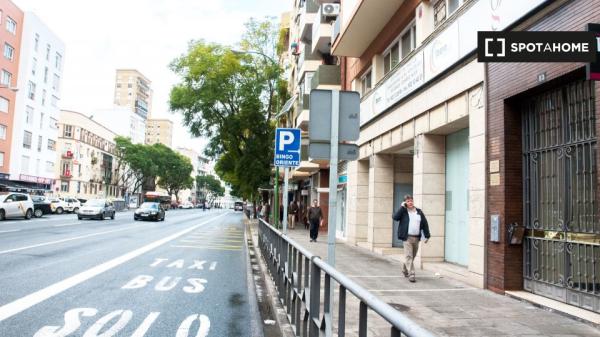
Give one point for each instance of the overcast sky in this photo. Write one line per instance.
(101, 36)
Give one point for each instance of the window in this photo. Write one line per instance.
(28, 115)
(58, 61)
(64, 186)
(391, 58)
(40, 143)
(1, 159)
(366, 83)
(408, 40)
(37, 42)
(27, 140)
(4, 103)
(51, 145)
(48, 52)
(37, 167)
(442, 9)
(118, 85)
(25, 164)
(68, 131)
(53, 123)
(11, 25)
(31, 90)
(44, 97)
(33, 66)
(56, 82)
(45, 74)
(49, 166)
(6, 78)
(2, 131)
(54, 101)
(9, 52)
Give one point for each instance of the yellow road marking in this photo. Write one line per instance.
(212, 248)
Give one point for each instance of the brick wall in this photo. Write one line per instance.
(506, 83)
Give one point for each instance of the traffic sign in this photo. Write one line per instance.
(319, 122)
(287, 147)
(323, 151)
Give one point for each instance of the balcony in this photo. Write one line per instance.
(302, 113)
(328, 77)
(307, 62)
(361, 24)
(66, 175)
(321, 37)
(67, 155)
(337, 26)
(308, 13)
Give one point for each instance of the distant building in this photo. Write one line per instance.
(159, 131)
(130, 124)
(132, 90)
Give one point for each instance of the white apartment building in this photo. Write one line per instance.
(35, 133)
(123, 121)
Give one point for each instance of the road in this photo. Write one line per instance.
(186, 276)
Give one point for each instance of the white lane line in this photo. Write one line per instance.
(24, 303)
(68, 224)
(10, 231)
(8, 222)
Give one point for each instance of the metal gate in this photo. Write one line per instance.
(560, 210)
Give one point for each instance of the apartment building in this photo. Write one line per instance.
(11, 30)
(130, 125)
(86, 155)
(133, 90)
(159, 131)
(199, 164)
(35, 130)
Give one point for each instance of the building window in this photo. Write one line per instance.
(366, 82)
(9, 52)
(56, 82)
(45, 74)
(2, 132)
(408, 40)
(129, 85)
(25, 164)
(49, 167)
(48, 52)
(442, 10)
(54, 101)
(31, 90)
(4, 103)
(28, 115)
(37, 42)
(44, 97)
(68, 131)
(41, 120)
(6, 78)
(58, 61)
(40, 140)
(118, 86)
(27, 140)
(53, 123)
(1, 159)
(51, 145)
(11, 25)
(64, 186)
(391, 58)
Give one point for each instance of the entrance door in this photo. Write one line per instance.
(560, 210)
(457, 203)
(400, 190)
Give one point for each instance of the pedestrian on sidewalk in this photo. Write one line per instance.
(292, 212)
(302, 213)
(315, 218)
(411, 225)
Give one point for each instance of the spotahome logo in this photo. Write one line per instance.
(536, 47)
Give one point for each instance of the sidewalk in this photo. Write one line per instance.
(444, 306)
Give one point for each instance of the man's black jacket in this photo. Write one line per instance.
(401, 216)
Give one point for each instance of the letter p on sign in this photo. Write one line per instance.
(287, 138)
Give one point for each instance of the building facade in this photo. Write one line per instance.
(86, 156)
(35, 130)
(542, 169)
(131, 124)
(159, 131)
(133, 90)
(198, 163)
(11, 30)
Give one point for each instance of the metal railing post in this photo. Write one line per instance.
(315, 300)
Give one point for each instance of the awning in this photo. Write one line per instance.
(13, 186)
(287, 106)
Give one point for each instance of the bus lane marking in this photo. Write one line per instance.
(24, 303)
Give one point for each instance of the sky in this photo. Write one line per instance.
(104, 35)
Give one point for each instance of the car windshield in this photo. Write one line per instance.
(38, 198)
(95, 203)
(149, 205)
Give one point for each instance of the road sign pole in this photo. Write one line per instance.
(285, 200)
(333, 182)
(275, 210)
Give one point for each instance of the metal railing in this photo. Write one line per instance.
(297, 275)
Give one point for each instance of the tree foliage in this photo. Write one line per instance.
(229, 97)
(210, 186)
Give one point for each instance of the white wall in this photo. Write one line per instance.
(33, 25)
(123, 122)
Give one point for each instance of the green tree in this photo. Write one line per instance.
(229, 97)
(135, 164)
(210, 186)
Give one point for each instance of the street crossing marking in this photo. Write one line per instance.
(24, 303)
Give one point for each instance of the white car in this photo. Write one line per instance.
(96, 209)
(15, 205)
(186, 205)
(66, 204)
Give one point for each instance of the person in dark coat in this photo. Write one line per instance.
(412, 225)
(315, 218)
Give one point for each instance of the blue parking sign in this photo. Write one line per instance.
(287, 147)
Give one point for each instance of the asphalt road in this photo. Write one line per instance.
(186, 276)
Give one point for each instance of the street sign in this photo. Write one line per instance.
(287, 147)
(319, 123)
(323, 151)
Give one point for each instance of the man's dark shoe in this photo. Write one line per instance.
(412, 278)
(405, 272)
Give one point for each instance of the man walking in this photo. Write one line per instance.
(315, 218)
(412, 223)
(292, 211)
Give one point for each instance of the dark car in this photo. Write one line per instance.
(41, 206)
(96, 209)
(149, 211)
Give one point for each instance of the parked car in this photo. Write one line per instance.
(186, 205)
(15, 205)
(238, 206)
(41, 206)
(66, 204)
(96, 209)
(149, 211)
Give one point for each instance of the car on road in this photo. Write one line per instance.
(66, 204)
(238, 206)
(149, 211)
(96, 209)
(186, 205)
(41, 206)
(15, 205)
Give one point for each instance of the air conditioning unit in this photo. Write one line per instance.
(330, 10)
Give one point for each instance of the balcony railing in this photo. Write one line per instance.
(326, 76)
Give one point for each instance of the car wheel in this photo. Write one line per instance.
(112, 217)
(102, 216)
(76, 209)
(2, 215)
(60, 210)
(38, 213)
(79, 218)
(28, 214)
(163, 218)
(135, 219)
